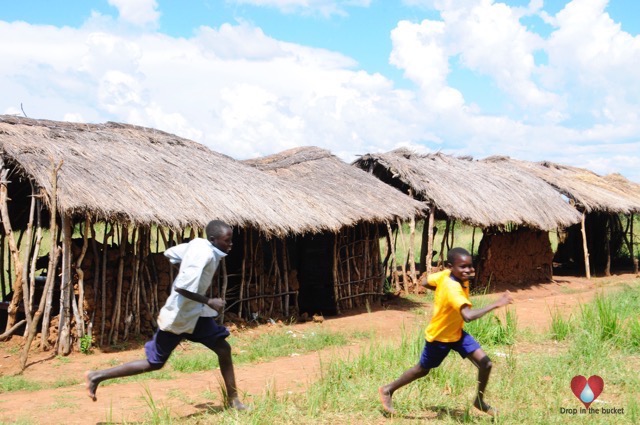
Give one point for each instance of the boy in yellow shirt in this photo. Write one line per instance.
(451, 308)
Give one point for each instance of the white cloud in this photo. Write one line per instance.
(246, 94)
(137, 12)
(322, 7)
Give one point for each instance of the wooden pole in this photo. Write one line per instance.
(392, 247)
(336, 279)
(473, 240)
(247, 253)
(607, 230)
(403, 265)
(285, 273)
(26, 293)
(115, 318)
(430, 236)
(103, 279)
(445, 237)
(2, 272)
(225, 282)
(64, 325)
(634, 260)
(34, 258)
(78, 266)
(12, 309)
(411, 255)
(584, 246)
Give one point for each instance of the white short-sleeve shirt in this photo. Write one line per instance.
(198, 260)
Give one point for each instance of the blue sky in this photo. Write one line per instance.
(532, 79)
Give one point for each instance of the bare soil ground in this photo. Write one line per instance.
(191, 394)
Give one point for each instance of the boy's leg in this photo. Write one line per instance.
(135, 367)
(212, 335)
(432, 355)
(480, 359)
(223, 350)
(157, 350)
(386, 391)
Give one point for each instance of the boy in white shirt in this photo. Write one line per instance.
(187, 314)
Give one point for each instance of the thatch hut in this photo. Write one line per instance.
(601, 202)
(351, 272)
(515, 209)
(96, 204)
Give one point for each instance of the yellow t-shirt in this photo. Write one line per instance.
(446, 322)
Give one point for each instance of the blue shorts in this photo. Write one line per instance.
(434, 352)
(206, 332)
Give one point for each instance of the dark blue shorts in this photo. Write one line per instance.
(434, 352)
(206, 332)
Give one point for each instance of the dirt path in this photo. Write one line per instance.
(191, 394)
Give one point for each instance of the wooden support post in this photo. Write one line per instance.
(336, 279)
(634, 260)
(285, 273)
(115, 318)
(64, 325)
(26, 294)
(12, 309)
(403, 265)
(247, 254)
(393, 267)
(79, 312)
(103, 279)
(225, 282)
(473, 240)
(584, 246)
(445, 237)
(607, 235)
(410, 254)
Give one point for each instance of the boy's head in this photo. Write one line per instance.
(220, 235)
(461, 264)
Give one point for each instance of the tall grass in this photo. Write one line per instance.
(561, 328)
(529, 387)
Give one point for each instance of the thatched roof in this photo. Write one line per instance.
(588, 190)
(141, 175)
(622, 184)
(476, 192)
(352, 194)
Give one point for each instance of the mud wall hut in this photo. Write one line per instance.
(351, 272)
(596, 241)
(506, 203)
(88, 209)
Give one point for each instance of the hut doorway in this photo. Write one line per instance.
(315, 265)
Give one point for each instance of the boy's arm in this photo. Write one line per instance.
(424, 281)
(469, 315)
(215, 303)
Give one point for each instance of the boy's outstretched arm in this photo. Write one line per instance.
(468, 314)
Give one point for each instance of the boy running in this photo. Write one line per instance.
(451, 308)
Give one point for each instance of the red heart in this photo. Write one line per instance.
(579, 382)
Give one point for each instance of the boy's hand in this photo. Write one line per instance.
(505, 299)
(216, 303)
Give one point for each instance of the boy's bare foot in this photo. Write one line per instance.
(235, 403)
(91, 386)
(484, 407)
(385, 399)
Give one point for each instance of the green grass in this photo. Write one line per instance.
(529, 387)
(248, 349)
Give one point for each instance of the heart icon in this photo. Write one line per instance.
(587, 390)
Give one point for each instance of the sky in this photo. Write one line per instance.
(530, 79)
